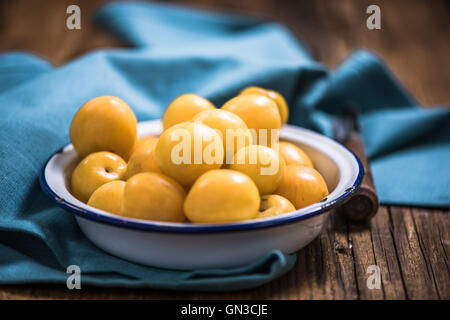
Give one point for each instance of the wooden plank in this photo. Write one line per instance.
(325, 268)
(433, 232)
(364, 256)
(41, 28)
(386, 256)
(416, 273)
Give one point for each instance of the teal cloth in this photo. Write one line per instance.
(177, 50)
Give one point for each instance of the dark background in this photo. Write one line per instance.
(410, 245)
(414, 39)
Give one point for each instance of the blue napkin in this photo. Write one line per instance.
(177, 50)
(19, 67)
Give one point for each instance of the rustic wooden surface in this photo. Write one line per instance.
(411, 246)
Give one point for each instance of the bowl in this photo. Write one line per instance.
(187, 246)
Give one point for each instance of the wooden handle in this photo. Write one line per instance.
(363, 205)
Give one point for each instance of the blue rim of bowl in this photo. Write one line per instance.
(197, 228)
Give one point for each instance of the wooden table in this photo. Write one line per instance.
(410, 245)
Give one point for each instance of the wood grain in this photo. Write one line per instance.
(386, 256)
(411, 246)
(418, 279)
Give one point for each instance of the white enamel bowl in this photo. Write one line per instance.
(195, 246)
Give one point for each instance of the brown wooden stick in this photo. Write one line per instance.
(363, 205)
